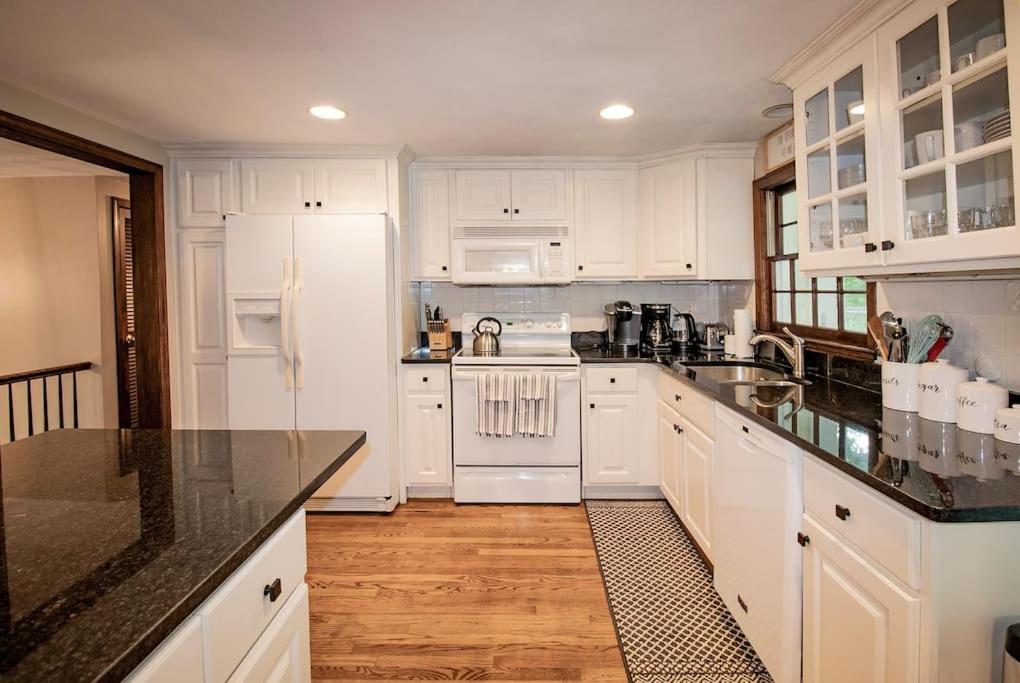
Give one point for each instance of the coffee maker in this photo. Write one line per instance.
(623, 326)
(656, 333)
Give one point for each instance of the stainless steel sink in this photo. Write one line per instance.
(731, 373)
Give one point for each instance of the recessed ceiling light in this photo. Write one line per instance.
(326, 111)
(778, 111)
(617, 111)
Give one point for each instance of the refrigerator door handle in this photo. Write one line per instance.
(299, 365)
(288, 372)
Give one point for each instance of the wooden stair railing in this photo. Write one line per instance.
(43, 375)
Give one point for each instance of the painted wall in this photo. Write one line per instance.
(56, 306)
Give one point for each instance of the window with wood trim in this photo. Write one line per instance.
(830, 312)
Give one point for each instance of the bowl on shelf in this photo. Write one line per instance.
(848, 176)
(855, 112)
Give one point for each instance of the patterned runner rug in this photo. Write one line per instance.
(673, 626)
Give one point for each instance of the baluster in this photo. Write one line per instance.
(28, 386)
(10, 408)
(45, 407)
(74, 392)
(60, 393)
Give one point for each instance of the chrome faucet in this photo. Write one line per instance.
(794, 353)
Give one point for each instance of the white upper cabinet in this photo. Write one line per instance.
(667, 227)
(948, 76)
(605, 224)
(482, 195)
(284, 186)
(538, 195)
(838, 166)
(205, 192)
(725, 212)
(486, 195)
(350, 185)
(430, 223)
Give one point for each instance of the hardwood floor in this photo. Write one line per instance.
(437, 591)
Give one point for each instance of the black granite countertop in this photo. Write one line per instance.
(938, 471)
(110, 539)
(425, 355)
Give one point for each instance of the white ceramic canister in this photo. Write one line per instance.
(937, 383)
(1007, 424)
(977, 403)
(900, 389)
(899, 434)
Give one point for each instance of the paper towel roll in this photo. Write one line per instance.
(743, 331)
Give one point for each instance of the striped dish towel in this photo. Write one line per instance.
(536, 404)
(496, 394)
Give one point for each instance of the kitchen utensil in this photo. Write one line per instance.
(656, 334)
(900, 433)
(428, 313)
(899, 385)
(989, 45)
(963, 61)
(486, 342)
(937, 383)
(684, 331)
(1007, 424)
(877, 331)
(926, 333)
(623, 326)
(977, 403)
(713, 339)
(929, 146)
(898, 351)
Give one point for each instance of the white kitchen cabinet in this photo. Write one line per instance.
(283, 186)
(725, 216)
(427, 444)
(670, 444)
(611, 424)
(859, 624)
(667, 226)
(430, 223)
(538, 195)
(283, 653)
(179, 658)
(696, 485)
(350, 185)
(205, 192)
(481, 195)
(605, 224)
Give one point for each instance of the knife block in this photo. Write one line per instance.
(440, 336)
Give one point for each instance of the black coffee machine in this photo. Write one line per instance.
(656, 333)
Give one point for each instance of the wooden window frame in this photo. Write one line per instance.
(767, 234)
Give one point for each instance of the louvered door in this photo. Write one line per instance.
(124, 294)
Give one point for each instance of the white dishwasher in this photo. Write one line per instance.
(758, 503)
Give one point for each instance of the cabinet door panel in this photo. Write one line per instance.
(667, 229)
(696, 481)
(859, 625)
(284, 186)
(205, 189)
(283, 653)
(605, 223)
(350, 186)
(430, 227)
(178, 658)
(482, 195)
(427, 439)
(670, 454)
(611, 428)
(539, 195)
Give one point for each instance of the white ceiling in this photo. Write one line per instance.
(443, 76)
(21, 161)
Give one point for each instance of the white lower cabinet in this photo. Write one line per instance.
(611, 436)
(671, 449)
(179, 658)
(696, 485)
(859, 624)
(428, 430)
(283, 653)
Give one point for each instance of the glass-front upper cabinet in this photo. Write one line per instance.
(948, 145)
(836, 124)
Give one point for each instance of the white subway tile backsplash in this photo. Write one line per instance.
(986, 333)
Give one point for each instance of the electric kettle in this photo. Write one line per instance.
(486, 342)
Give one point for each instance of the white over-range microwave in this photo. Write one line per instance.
(511, 255)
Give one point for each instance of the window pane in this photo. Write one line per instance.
(790, 239)
(826, 284)
(805, 309)
(852, 283)
(855, 312)
(781, 275)
(788, 207)
(782, 306)
(801, 282)
(828, 313)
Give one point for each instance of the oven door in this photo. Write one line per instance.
(564, 449)
(496, 261)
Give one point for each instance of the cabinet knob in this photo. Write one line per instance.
(677, 397)
(424, 379)
(318, 204)
(802, 539)
(272, 590)
(842, 512)
(870, 247)
(224, 216)
(506, 210)
(612, 380)
(887, 245)
(689, 266)
(444, 269)
(580, 267)
(439, 405)
(308, 205)
(591, 405)
(517, 210)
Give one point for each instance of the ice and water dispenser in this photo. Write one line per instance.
(256, 323)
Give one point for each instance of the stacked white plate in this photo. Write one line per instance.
(996, 127)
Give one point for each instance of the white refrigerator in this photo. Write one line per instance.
(310, 304)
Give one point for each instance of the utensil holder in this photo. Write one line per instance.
(440, 336)
(899, 386)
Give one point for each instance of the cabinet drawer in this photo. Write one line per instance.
(888, 535)
(283, 652)
(432, 379)
(239, 611)
(689, 402)
(604, 380)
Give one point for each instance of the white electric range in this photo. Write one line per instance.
(518, 469)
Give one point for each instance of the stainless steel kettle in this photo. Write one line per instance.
(486, 342)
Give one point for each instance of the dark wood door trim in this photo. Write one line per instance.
(147, 216)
